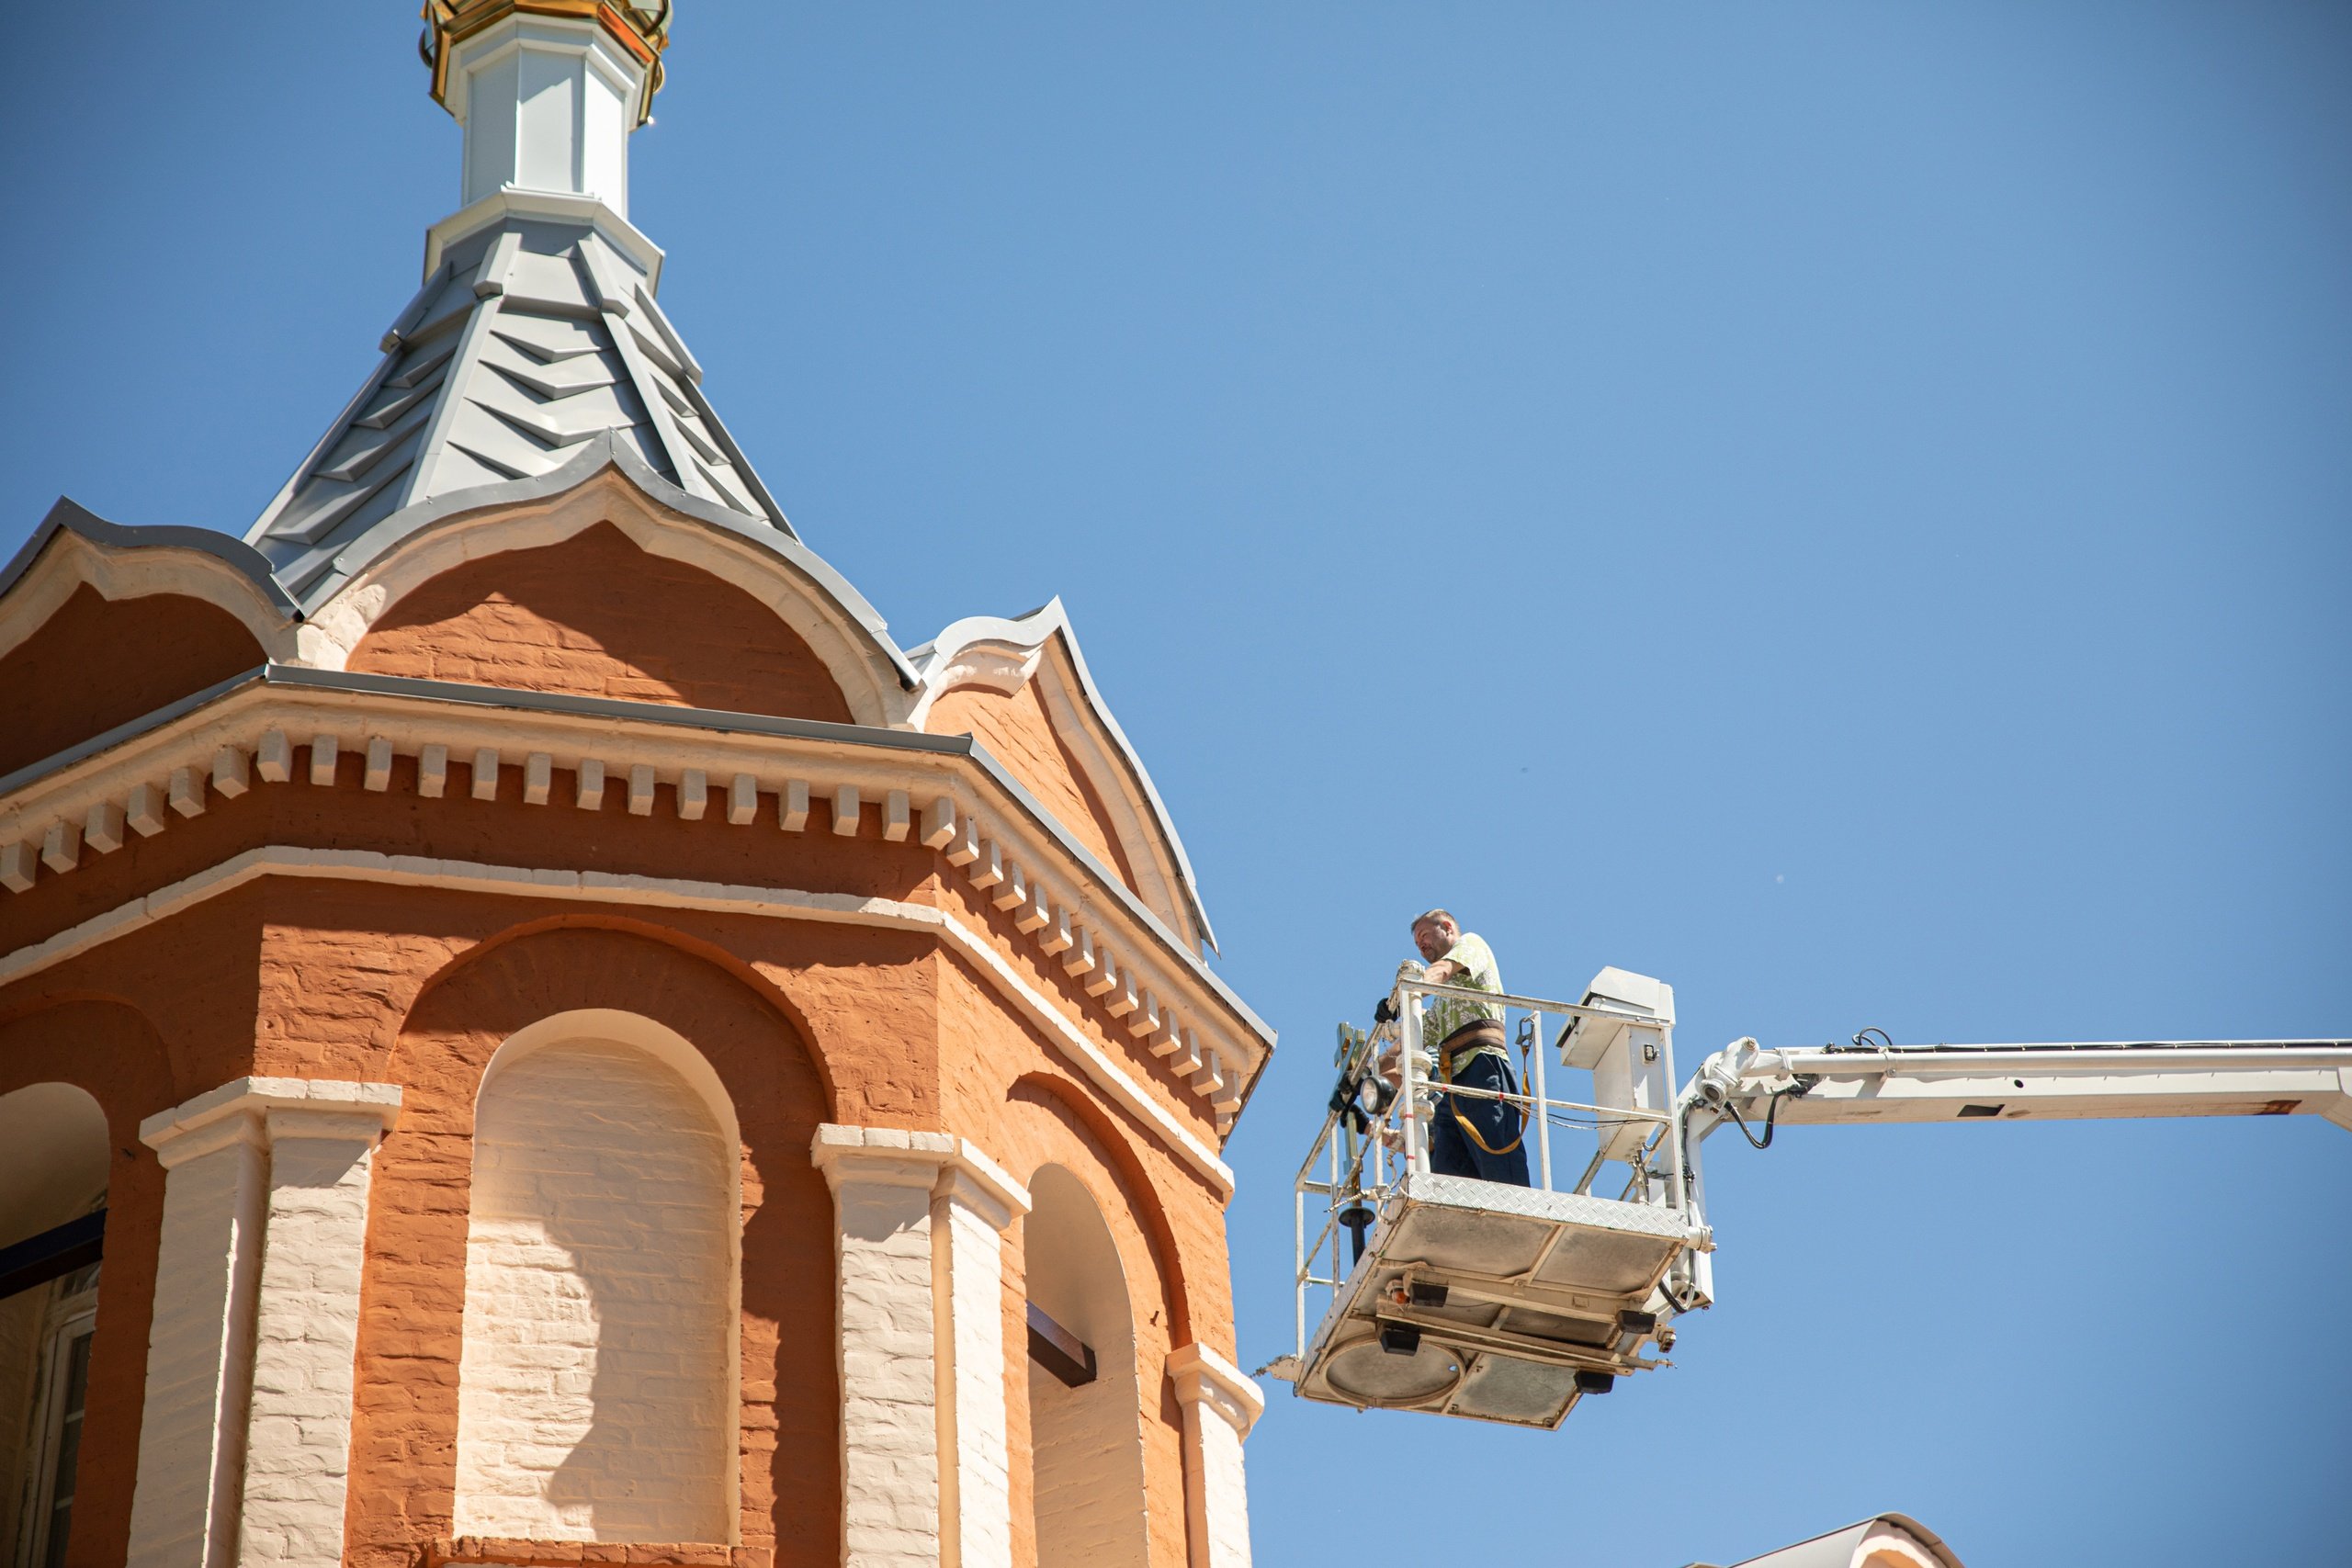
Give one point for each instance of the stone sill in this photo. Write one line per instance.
(508, 1553)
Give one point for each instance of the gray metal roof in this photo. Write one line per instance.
(531, 337)
(68, 515)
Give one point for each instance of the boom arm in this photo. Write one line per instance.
(1960, 1083)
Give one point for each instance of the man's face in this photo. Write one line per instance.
(1434, 938)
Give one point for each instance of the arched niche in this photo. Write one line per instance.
(1085, 1431)
(52, 1157)
(53, 1167)
(787, 1403)
(598, 1380)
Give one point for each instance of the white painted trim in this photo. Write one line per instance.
(1220, 1405)
(967, 1295)
(886, 1343)
(1891, 1546)
(70, 560)
(1203, 1377)
(546, 206)
(993, 666)
(199, 1346)
(973, 1200)
(943, 1155)
(595, 886)
(257, 1095)
(306, 1330)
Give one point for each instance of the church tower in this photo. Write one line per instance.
(534, 1033)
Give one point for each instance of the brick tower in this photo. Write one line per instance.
(531, 1032)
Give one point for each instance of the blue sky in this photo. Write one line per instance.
(1845, 508)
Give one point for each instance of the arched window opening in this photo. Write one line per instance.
(1085, 1414)
(52, 1227)
(597, 1390)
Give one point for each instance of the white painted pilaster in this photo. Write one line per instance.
(306, 1334)
(249, 1358)
(199, 1358)
(921, 1347)
(971, 1205)
(1220, 1406)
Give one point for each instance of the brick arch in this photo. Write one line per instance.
(804, 1030)
(112, 1051)
(404, 1431)
(1082, 1119)
(1049, 1121)
(1089, 1504)
(595, 616)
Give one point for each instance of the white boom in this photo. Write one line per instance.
(1512, 1301)
(1863, 1083)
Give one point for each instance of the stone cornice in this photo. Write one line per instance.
(949, 1166)
(283, 725)
(262, 1110)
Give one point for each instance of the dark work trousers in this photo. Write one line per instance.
(1452, 1151)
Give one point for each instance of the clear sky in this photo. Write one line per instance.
(1845, 508)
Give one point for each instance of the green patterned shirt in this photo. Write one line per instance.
(1443, 1015)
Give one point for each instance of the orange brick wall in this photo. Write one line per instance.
(1018, 732)
(97, 662)
(597, 616)
(404, 1436)
(804, 1021)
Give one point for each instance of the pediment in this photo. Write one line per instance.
(1047, 724)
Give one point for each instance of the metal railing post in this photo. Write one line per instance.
(1542, 1109)
(1408, 1059)
(1298, 1258)
(1679, 1188)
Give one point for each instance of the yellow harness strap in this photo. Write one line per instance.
(1445, 1076)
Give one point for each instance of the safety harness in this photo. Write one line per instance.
(1479, 1032)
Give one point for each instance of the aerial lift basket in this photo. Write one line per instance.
(1473, 1298)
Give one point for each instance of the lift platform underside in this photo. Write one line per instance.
(1485, 1300)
